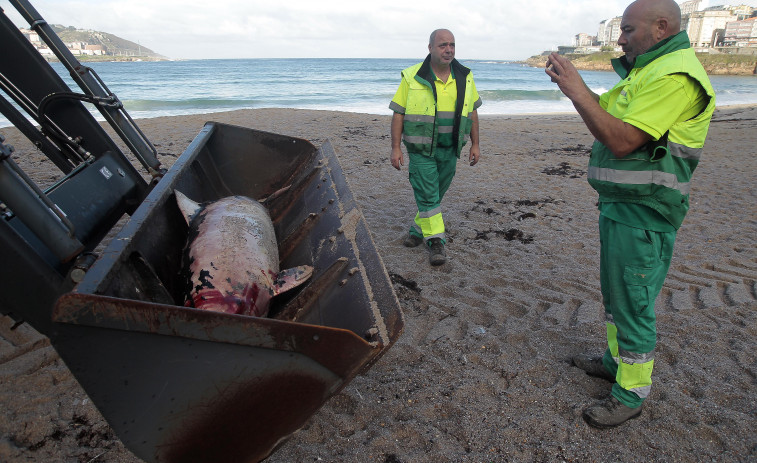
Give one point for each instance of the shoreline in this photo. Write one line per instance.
(482, 370)
(493, 116)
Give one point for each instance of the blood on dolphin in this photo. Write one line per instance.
(232, 258)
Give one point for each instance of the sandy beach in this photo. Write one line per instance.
(482, 372)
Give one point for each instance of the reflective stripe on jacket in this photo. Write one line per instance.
(420, 130)
(656, 175)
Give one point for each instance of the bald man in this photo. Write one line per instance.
(435, 113)
(650, 129)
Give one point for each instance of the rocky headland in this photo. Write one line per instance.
(714, 64)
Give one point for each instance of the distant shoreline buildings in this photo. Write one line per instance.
(717, 29)
(90, 44)
(76, 48)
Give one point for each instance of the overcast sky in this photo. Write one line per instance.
(189, 29)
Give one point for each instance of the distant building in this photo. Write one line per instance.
(740, 12)
(76, 48)
(601, 32)
(702, 26)
(32, 36)
(741, 33)
(583, 40)
(76, 45)
(722, 25)
(689, 7)
(609, 31)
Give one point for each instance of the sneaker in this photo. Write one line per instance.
(436, 248)
(593, 366)
(609, 413)
(412, 241)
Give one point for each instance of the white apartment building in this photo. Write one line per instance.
(601, 32)
(703, 25)
(609, 31)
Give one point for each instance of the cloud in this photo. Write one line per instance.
(484, 29)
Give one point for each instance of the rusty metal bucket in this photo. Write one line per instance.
(184, 385)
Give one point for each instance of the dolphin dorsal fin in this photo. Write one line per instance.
(188, 207)
(291, 278)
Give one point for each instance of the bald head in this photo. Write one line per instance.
(646, 23)
(432, 37)
(651, 11)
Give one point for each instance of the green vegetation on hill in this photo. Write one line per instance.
(115, 46)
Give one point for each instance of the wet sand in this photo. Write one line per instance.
(482, 371)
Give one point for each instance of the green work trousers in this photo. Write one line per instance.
(633, 266)
(430, 177)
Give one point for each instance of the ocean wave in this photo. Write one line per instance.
(520, 95)
(191, 103)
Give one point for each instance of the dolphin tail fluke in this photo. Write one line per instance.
(291, 278)
(188, 207)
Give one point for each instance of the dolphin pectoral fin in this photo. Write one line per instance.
(291, 278)
(188, 207)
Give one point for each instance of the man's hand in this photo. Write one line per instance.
(475, 154)
(396, 131)
(396, 158)
(620, 137)
(475, 150)
(564, 74)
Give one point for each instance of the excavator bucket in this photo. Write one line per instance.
(179, 384)
(184, 385)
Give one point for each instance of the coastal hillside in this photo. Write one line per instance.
(115, 47)
(714, 64)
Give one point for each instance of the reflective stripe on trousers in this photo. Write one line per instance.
(430, 224)
(633, 372)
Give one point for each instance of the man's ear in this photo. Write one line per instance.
(661, 30)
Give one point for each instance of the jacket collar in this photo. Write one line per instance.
(426, 75)
(673, 43)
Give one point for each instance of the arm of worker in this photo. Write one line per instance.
(475, 150)
(397, 121)
(620, 137)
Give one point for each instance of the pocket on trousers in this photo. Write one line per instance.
(412, 169)
(640, 282)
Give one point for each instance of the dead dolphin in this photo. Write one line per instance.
(232, 258)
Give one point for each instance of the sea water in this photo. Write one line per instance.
(171, 88)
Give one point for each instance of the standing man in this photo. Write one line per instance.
(650, 129)
(434, 113)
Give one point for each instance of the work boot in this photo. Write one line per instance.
(437, 255)
(609, 413)
(412, 240)
(593, 366)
